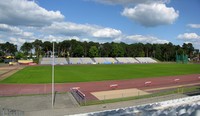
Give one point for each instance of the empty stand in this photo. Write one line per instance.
(75, 61)
(145, 60)
(100, 60)
(126, 60)
(86, 60)
(110, 60)
(56, 61)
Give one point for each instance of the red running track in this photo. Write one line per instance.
(87, 87)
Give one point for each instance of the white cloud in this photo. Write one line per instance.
(59, 38)
(141, 39)
(85, 39)
(129, 2)
(28, 13)
(189, 36)
(2, 41)
(107, 33)
(13, 30)
(17, 41)
(194, 25)
(69, 29)
(151, 15)
(7, 28)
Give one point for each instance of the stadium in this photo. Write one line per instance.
(99, 58)
(119, 79)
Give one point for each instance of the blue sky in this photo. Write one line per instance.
(129, 21)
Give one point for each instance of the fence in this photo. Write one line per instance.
(10, 112)
(78, 95)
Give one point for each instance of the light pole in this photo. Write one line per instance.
(53, 75)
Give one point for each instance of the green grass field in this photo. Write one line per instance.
(84, 73)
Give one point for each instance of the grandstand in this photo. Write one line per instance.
(145, 60)
(110, 60)
(75, 61)
(47, 61)
(86, 60)
(188, 106)
(99, 60)
(81, 60)
(126, 60)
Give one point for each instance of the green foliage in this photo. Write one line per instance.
(8, 48)
(74, 48)
(19, 55)
(84, 73)
(117, 50)
(26, 48)
(37, 44)
(93, 52)
(78, 51)
(36, 60)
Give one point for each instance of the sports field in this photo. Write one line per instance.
(85, 73)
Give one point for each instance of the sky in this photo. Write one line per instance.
(128, 21)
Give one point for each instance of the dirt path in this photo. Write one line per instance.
(87, 87)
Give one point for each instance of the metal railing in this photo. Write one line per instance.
(10, 112)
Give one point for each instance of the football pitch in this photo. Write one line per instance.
(86, 73)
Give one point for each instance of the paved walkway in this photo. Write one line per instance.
(101, 107)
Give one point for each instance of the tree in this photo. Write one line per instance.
(8, 48)
(73, 46)
(117, 50)
(64, 47)
(157, 51)
(19, 55)
(26, 48)
(78, 51)
(93, 52)
(188, 49)
(140, 50)
(148, 50)
(47, 48)
(37, 44)
(105, 49)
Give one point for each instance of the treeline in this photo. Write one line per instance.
(73, 48)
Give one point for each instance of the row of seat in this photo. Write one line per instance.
(56, 61)
(99, 60)
(189, 106)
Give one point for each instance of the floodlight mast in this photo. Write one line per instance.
(53, 63)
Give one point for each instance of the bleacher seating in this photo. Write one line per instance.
(145, 60)
(188, 106)
(105, 60)
(110, 60)
(100, 60)
(75, 60)
(56, 61)
(80, 60)
(126, 60)
(86, 60)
